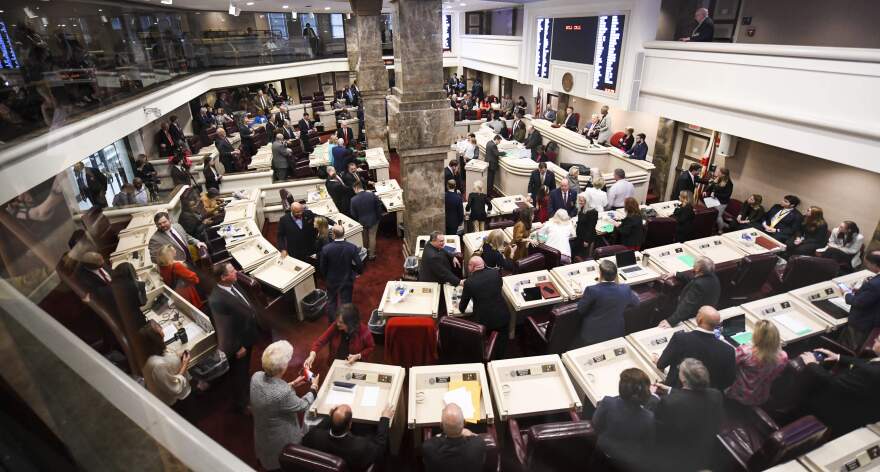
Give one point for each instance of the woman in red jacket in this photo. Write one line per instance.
(349, 338)
(176, 275)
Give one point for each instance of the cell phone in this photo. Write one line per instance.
(844, 287)
(819, 356)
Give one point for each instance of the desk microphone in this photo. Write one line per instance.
(181, 335)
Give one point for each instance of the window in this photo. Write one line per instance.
(278, 24)
(337, 30)
(474, 22)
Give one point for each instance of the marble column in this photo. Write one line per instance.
(664, 146)
(372, 77)
(351, 44)
(422, 118)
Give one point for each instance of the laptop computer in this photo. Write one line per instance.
(626, 264)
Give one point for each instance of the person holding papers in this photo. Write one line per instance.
(717, 194)
(864, 302)
(349, 338)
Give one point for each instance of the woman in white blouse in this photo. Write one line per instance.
(596, 197)
(165, 373)
(556, 232)
(845, 244)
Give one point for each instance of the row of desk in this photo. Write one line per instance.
(857, 450)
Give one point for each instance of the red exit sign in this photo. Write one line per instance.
(572, 27)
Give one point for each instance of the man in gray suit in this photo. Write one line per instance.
(280, 154)
(604, 126)
(492, 155)
(173, 234)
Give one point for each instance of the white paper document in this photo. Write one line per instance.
(711, 202)
(370, 398)
(463, 399)
(793, 324)
(339, 397)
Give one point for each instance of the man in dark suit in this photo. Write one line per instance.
(176, 131)
(452, 172)
(563, 197)
(228, 154)
(92, 184)
(702, 288)
(492, 155)
(287, 131)
(704, 32)
(351, 176)
(701, 344)
(338, 263)
(541, 176)
(483, 286)
(571, 121)
(296, 232)
(234, 315)
(342, 155)
(845, 400)
(639, 150)
(346, 134)
(93, 274)
(165, 143)
(602, 305)
(366, 209)
(339, 192)
(454, 206)
(333, 435)
(687, 180)
(436, 264)
(457, 449)
(305, 125)
(783, 220)
(518, 129)
(533, 140)
(864, 302)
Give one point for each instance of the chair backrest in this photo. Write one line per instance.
(296, 458)
(500, 224)
(805, 270)
(461, 341)
(704, 222)
(492, 462)
(659, 232)
(563, 328)
(789, 442)
(552, 256)
(616, 138)
(752, 272)
(556, 446)
(606, 251)
(529, 263)
(733, 207)
(97, 224)
(642, 316)
(410, 341)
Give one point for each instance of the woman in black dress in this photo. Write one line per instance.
(585, 231)
(684, 217)
(631, 228)
(478, 205)
(812, 235)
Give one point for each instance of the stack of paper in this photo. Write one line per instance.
(465, 394)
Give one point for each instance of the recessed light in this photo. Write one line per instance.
(285, 6)
(98, 10)
(249, 3)
(167, 2)
(462, 4)
(326, 8)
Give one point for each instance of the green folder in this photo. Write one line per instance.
(607, 228)
(687, 259)
(742, 338)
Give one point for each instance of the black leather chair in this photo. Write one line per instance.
(529, 263)
(553, 447)
(704, 222)
(606, 251)
(747, 283)
(552, 256)
(659, 232)
(296, 458)
(559, 332)
(806, 270)
(462, 341)
(764, 444)
(645, 314)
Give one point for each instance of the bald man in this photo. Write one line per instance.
(296, 232)
(338, 262)
(333, 436)
(457, 449)
(701, 288)
(483, 286)
(701, 344)
(704, 32)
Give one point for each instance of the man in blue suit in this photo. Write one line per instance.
(602, 305)
(454, 208)
(563, 197)
(342, 155)
(339, 262)
(640, 148)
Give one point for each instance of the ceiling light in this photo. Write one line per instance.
(462, 4)
(100, 9)
(249, 3)
(285, 6)
(326, 8)
(167, 2)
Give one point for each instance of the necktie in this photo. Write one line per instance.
(239, 295)
(183, 247)
(168, 136)
(104, 276)
(778, 217)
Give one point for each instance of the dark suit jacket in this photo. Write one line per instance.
(478, 204)
(461, 454)
(847, 400)
(585, 231)
(162, 138)
(484, 288)
(699, 291)
(350, 178)
(288, 133)
(299, 243)
(347, 134)
(95, 185)
(210, 180)
(533, 141)
(683, 182)
(493, 258)
(864, 313)
(492, 155)
(436, 266)
(556, 201)
(225, 148)
(304, 126)
(571, 122)
(535, 182)
(718, 357)
(192, 224)
(639, 151)
(601, 308)
(631, 229)
(181, 177)
(100, 292)
(358, 452)
(176, 133)
(341, 195)
(341, 157)
(704, 32)
(339, 261)
(518, 131)
(687, 422)
(449, 175)
(234, 320)
(626, 429)
(454, 211)
(366, 208)
(684, 226)
(787, 227)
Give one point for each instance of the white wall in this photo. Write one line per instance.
(499, 55)
(620, 119)
(852, 23)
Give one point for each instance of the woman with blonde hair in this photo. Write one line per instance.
(573, 173)
(478, 205)
(275, 405)
(757, 365)
(556, 232)
(176, 275)
(493, 251)
(721, 189)
(322, 235)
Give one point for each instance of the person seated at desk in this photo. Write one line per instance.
(845, 398)
(783, 220)
(522, 229)
(602, 305)
(639, 150)
(570, 121)
(585, 230)
(540, 177)
(341, 155)
(556, 232)
(620, 191)
(454, 208)
(275, 406)
(702, 288)
(478, 206)
(494, 249)
(166, 375)
(701, 344)
(864, 302)
(348, 337)
(177, 275)
(333, 435)
(684, 217)
(125, 197)
(211, 202)
(844, 245)
(457, 449)
(591, 130)
(437, 264)
(631, 228)
(758, 363)
(550, 114)
(296, 232)
(628, 140)
(625, 427)
(751, 215)
(563, 198)
(811, 235)
(687, 419)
